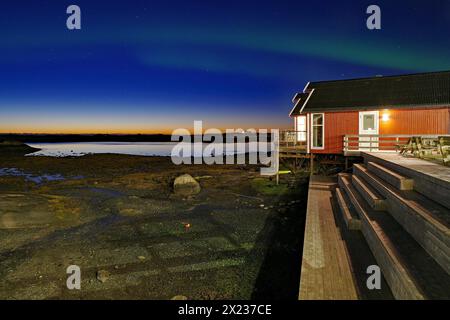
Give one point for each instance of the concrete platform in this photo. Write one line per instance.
(327, 272)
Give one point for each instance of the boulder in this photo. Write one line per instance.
(186, 185)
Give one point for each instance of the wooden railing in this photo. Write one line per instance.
(292, 139)
(430, 146)
(371, 143)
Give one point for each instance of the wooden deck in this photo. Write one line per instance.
(326, 269)
(429, 169)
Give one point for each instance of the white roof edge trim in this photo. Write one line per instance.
(304, 91)
(295, 95)
(295, 106)
(304, 105)
(306, 87)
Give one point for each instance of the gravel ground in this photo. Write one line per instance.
(239, 238)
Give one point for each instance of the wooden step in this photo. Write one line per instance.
(397, 180)
(345, 184)
(350, 219)
(430, 179)
(410, 272)
(373, 197)
(426, 221)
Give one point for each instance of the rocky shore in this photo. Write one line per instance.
(227, 233)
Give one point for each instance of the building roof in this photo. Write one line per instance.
(298, 101)
(392, 92)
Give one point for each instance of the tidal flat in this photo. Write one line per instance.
(239, 238)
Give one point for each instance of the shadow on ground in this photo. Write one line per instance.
(283, 233)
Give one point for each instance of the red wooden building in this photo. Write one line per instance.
(345, 116)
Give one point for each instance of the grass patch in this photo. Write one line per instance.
(267, 187)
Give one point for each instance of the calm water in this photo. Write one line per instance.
(131, 148)
(14, 172)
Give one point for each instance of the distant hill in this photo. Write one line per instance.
(14, 147)
(35, 138)
(46, 138)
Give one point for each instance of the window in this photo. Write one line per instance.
(368, 122)
(317, 125)
(301, 128)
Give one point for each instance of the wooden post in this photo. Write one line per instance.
(277, 164)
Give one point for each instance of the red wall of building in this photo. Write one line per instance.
(405, 121)
(338, 124)
(417, 121)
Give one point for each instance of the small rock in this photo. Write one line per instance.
(186, 185)
(102, 275)
(203, 177)
(179, 297)
(130, 211)
(142, 258)
(186, 225)
(261, 205)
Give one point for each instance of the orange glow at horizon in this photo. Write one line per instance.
(122, 129)
(70, 120)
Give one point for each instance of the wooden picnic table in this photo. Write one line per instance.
(444, 148)
(428, 146)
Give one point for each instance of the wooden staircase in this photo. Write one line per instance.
(407, 232)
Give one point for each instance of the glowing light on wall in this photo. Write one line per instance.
(385, 117)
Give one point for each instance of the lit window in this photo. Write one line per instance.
(317, 130)
(369, 122)
(301, 128)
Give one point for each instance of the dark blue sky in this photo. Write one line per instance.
(152, 66)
